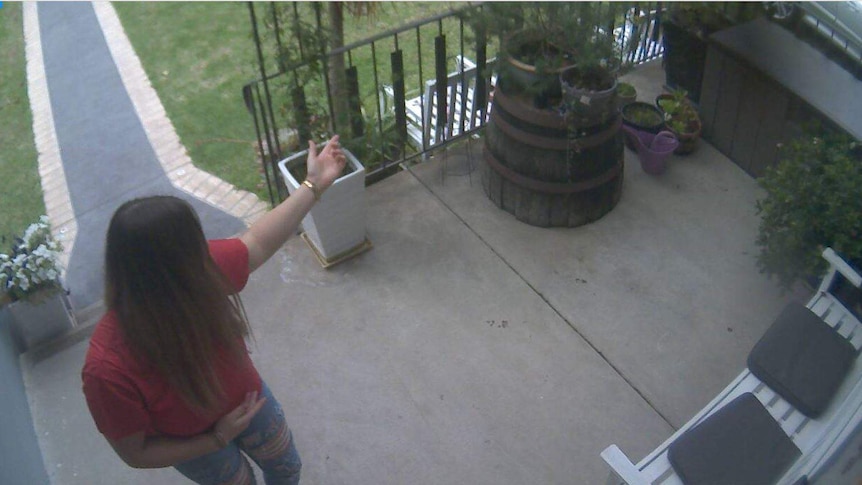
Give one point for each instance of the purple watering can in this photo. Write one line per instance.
(653, 148)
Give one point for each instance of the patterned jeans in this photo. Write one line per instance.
(267, 440)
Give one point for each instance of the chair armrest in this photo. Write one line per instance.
(622, 466)
(464, 62)
(842, 267)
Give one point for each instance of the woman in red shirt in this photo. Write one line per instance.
(167, 377)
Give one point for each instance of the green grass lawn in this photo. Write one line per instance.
(199, 55)
(21, 202)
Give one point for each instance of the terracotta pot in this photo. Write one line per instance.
(688, 140)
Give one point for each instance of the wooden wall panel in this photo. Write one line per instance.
(727, 108)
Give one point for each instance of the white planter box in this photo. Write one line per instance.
(335, 226)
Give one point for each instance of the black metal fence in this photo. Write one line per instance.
(405, 92)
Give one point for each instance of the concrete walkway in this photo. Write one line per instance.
(470, 348)
(103, 138)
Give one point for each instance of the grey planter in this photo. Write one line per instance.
(41, 319)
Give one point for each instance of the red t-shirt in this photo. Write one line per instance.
(124, 398)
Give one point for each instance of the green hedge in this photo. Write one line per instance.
(814, 200)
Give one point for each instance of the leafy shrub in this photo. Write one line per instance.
(814, 200)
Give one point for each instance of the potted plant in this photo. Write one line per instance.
(642, 117)
(813, 200)
(626, 94)
(335, 227)
(531, 65)
(30, 279)
(543, 133)
(590, 94)
(539, 41)
(680, 117)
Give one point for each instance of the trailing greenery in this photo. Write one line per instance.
(20, 185)
(814, 200)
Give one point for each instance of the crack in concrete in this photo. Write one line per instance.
(538, 293)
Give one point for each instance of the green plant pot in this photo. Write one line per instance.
(641, 116)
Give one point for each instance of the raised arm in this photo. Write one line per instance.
(271, 231)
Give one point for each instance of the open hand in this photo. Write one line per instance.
(326, 166)
(235, 422)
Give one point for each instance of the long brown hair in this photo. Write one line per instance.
(174, 305)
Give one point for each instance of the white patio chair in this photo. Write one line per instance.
(817, 439)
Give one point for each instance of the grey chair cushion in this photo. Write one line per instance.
(803, 359)
(738, 444)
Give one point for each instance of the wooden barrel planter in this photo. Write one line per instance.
(547, 173)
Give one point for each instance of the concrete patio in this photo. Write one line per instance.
(470, 348)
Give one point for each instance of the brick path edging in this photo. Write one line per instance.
(55, 191)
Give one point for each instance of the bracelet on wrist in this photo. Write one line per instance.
(314, 189)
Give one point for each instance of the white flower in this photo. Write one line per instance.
(35, 264)
(28, 234)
